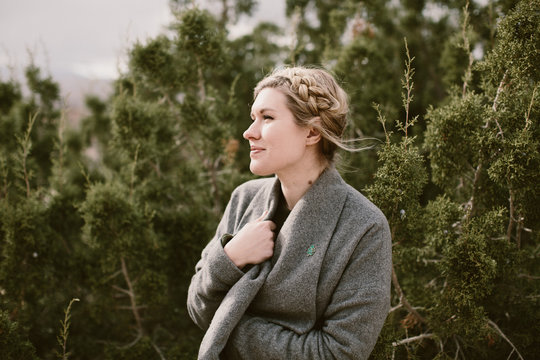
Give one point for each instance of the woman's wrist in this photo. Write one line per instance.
(229, 251)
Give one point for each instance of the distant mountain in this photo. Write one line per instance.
(74, 88)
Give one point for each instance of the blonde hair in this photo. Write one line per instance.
(313, 94)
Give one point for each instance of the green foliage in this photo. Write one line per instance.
(198, 36)
(113, 224)
(441, 217)
(518, 163)
(402, 166)
(467, 264)
(154, 62)
(369, 74)
(141, 126)
(10, 93)
(459, 256)
(516, 52)
(13, 344)
(46, 89)
(450, 127)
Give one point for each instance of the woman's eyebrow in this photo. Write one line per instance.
(262, 111)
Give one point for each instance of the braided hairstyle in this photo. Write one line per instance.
(315, 99)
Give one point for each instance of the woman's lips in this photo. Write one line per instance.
(256, 150)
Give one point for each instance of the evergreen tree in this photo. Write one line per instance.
(459, 259)
(174, 169)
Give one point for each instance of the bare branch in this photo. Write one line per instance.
(467, 47)
(127, 292)
(512, 210)
(471, 205)
(458, 349)
(122, 307)
(403, 299)
(201, 82)
(131, 344)
(398, 306)
(413, 339)
(212, 172)
(26, 145)
(158, 350)
(113, 276)
(528, 276)
(499, 91)
(494, 326)
(509, 355)
(528, 116)
(134, 307)
(133, 168)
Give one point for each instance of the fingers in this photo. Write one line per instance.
(272, 225)
(254, 243)
(261, 218)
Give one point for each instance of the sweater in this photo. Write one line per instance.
(324, 294)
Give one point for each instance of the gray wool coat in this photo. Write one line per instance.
(324, 294)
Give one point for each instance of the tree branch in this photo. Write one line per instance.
(458, 348)
(403, 299)
(413, 339)
(528, 277)
(201, 82)
(494, 326)
(471, 203)
(511, 211)
(134, 307)
(467, 47)
(158, 350)
(398, 306)
(528, 116)
(499, 91)
(26, 145)
(122, 307)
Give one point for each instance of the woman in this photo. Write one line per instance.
(300, 265)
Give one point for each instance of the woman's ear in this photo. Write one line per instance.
(314, 135)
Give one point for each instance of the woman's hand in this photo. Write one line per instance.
(253, 244)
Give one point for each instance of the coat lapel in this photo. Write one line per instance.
(291, 285)
(266, 198)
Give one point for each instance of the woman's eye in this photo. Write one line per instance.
(268, 117)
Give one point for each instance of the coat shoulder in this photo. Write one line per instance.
(245, 192)
(251, 187)
(359, 204)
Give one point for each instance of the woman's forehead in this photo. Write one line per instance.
(269, 99)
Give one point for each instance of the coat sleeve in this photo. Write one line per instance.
(215, 274)
(351, 322)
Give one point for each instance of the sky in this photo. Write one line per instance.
(90, 38)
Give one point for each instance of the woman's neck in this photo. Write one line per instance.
(295, 184)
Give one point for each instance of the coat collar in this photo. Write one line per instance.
(311, 221)
(324, 192)
(310, 225)
(301, 247)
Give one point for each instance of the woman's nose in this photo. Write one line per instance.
(252, 132)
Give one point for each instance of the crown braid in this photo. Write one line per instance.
(315, 99)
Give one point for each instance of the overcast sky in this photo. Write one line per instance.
(88, 37)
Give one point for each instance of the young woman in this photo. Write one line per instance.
(300, 265)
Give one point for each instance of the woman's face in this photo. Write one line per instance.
(277, 143)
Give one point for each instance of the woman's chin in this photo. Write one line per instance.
(259, 171)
